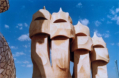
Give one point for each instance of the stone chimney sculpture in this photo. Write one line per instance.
(40, 52)
(56, 33)
(61, 32)
(99, 58)
(81, 47)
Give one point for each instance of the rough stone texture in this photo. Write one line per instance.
(7, 67)
(4, 5)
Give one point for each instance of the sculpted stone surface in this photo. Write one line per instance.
(99, 69)
(83, 42)
(64, 16)
(7, 67)
(81, 47)
(60, 57)
(99, 58)
(40, 23)
(40, 57)
(61, 25)
(98, 41)
(61, 31)
(100, 54)
(81, 29)
(40, 52)
(81, 64)
(67, 43)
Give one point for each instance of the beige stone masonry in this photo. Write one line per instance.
(7, 66)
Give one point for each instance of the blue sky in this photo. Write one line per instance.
(100, 16)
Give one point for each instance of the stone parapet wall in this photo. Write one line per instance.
(4, 5)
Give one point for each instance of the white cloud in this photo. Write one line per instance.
(97, 33)
(112, 43)
(25, 46)
(23, 65)
(24, 37)
(16, 26)
(118, 44)
(26, 25)
(6, 26)
(109, 16)
(102, 19)
(21, 25)
(117, 33)
(79, 5)
(107, 31)
(109, 22)
(112, 11)
(18, 54)
(118, 20)
(106, 34)
(26, 62)
(29, 65)
(18, 62)
(20, 28)
(13, 47)
(84, 21)
(117, 10)
(97, 23)
(15, 59)
(114, 15)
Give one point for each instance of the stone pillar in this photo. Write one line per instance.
(39, 34)
(7, 66)
(81, 47)
(61, 33)
(99, 58)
